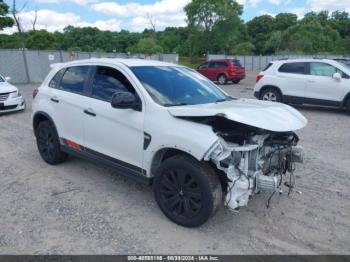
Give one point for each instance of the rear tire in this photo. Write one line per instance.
(187, 191)
(222, 79)
(271, 94)
(236, 81)
(48, 143)
(347, 106)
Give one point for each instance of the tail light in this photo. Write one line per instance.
(232, 69)
(258, 77)
(35, 92)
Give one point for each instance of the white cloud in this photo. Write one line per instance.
(163, 13)
(330, 5)
(78, 2)
(55, 21)
(275, 2)
(299, 11)
(254, 3)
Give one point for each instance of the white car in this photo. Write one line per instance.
(10, 99)
(305, 81)
(167, 125)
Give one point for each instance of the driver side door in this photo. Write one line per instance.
(114, 134)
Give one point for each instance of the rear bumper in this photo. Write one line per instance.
(11, 105)
(236, 77)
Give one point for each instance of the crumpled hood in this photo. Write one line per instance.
(6, 88)
(270, 116)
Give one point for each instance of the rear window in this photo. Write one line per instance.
(74, 79)
(236, 62)
(55, 81)
(268, 66)
(293, 68)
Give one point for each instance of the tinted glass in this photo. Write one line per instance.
(211, 64)
(236, 63)
(203, 66)
(107, 81)
(322, 69)
(267, 67)
(294, 68)
(220, 64)
(171, 85)
(55, 81)
(1, 79)
(74, 79)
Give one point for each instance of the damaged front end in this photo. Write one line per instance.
(254, 160)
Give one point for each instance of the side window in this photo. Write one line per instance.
(293, 68)
(74, 79)
(236, 63)
(220, 64)
(322, 69)
(203, 66)
(55, 81)
(107, 81)
(211, 64)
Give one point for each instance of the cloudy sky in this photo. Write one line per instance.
(134, 15)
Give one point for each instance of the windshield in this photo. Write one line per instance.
(173, 86)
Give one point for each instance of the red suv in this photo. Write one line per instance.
(223, 70)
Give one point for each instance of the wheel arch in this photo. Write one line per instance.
(165, 153)
(346, 98)
(42, 116)
(264, 87)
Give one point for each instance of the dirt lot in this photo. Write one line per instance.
(81, 208)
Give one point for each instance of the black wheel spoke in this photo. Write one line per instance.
(188, 211)
(194, 195)
(173, 201)
(169, 184)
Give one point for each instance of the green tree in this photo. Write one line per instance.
(146, 46)
(214, 25)
(285, 20)
(245, 48)
(5, 21)
(259, 29)
(41, 39)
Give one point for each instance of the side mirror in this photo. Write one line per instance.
(7, 79)
(337, 76)
(125, 100)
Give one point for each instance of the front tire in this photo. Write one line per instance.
(187, 191)
(236, 81)
(48, 144)
(271, 94)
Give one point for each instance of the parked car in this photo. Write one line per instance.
(167, 125)
(305, 81)
(10, 99)
(223, 70)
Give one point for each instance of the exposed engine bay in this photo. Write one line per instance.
(253, 159)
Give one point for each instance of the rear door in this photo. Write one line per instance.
(292, 80)
(321, 85)
(68, 99)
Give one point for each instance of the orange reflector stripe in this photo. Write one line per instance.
(72, 144)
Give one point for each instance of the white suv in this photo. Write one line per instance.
(305, 81)
(167, 125)
(10, 99)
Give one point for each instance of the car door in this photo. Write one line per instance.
(291, 79)
(111, 133)
(68, 100)
(322, 87)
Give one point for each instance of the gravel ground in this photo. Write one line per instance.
(82, 208)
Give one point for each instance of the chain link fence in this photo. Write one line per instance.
(30, 66)
(257, 63)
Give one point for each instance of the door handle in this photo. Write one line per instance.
(89, 112)
(55, 99)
